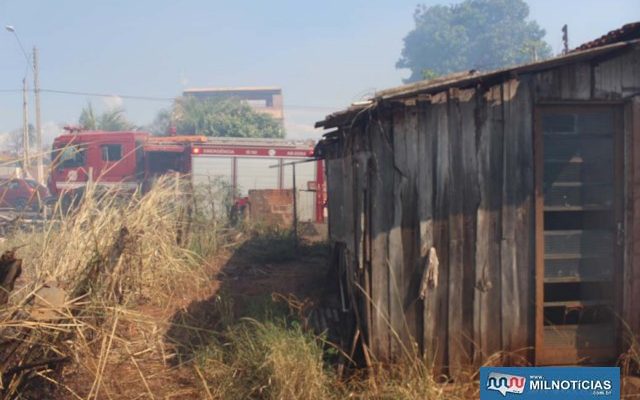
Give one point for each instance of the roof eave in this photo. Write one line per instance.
(343, 117)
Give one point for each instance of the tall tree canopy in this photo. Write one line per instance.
(474, 34)
(222, 118)
(111, 120)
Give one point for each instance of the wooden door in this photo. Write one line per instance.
(578, 233)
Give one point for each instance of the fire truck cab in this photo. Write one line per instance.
(122, 159)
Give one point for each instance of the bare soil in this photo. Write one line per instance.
(184, 324)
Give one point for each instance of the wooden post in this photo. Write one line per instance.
(10, 270)
(25, 129)
(295, 207)
(177, 184)
(36, 91)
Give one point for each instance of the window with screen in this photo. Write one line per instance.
(580, 232)
(111, 152)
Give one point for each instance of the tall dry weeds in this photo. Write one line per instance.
(265, 360)
(111, 253)
(125, 264)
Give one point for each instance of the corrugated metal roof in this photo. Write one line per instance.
(472, 78)
(239, 89)
(263, 142)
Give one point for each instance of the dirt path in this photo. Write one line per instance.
(169, 336)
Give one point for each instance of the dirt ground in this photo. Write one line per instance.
(183, 325)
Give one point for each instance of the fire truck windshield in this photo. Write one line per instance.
(71, 157)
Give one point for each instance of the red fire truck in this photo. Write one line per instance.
(123, 159)
(129, 159)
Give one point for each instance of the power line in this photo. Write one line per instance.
(93, 94)
(150, 98)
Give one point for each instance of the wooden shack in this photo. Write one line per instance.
(494, 213)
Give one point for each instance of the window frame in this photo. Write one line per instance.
(106, 150)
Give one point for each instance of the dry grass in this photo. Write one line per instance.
(630, 365)
(270, 355)
(131, 268)
(265, 360)
(131, 243)
(108, 256)
(128, 266)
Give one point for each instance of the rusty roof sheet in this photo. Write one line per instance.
(626, 32)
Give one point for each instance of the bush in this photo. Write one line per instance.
(270, 360)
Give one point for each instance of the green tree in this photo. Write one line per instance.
(222, 118)
(474, 34)
(161, 123)
(111, 120)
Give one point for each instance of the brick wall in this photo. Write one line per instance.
(271, 206)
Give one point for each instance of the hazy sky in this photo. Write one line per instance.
(324, 54)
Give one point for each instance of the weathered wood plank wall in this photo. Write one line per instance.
(457, 173)
(488, 303)
(631, 279)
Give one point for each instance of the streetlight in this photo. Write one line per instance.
(12, 29)
(25, 118)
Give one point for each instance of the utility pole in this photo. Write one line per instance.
(295, 208)
(36, 91)
(25, 128)
(25, 103)
(565, 39)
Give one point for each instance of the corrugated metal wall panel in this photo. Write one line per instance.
(209, 169)
(306, 205)
(254, 173)
(305, 173)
